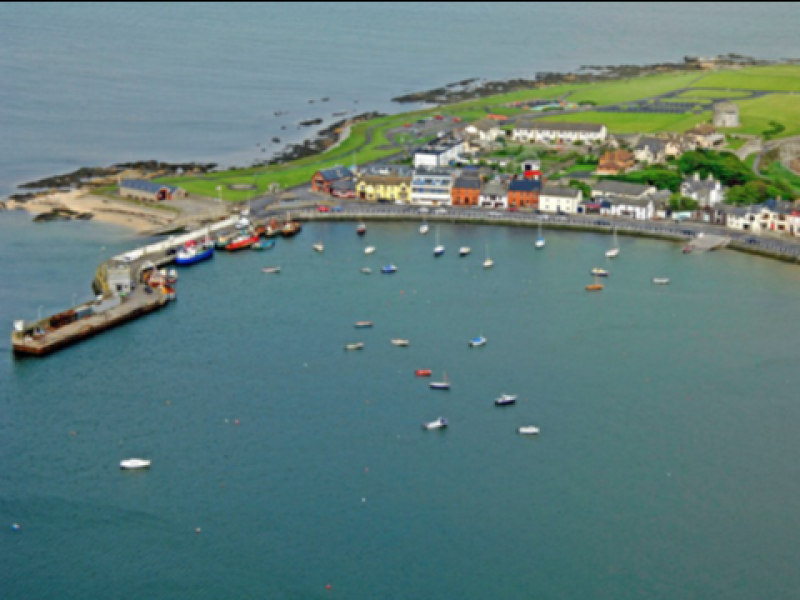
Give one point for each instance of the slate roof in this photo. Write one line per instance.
(621, 188)
(655, 145)
(468, 183)
(495, 188)
(150, 187)
(560, 192)
(484, 125)
(525, 185)
(344, 185)
(617, 201)
(336, 173)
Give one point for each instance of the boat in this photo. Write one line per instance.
(614, 251)
(423, 373)
(528, 430)
(478, 341)
(595, 287)
(264, 245)
(172, 277)
(599, 272)
(169, 293)
(439, 423)
(133, 464)
(291, 229)
(242, 242)
(687, 250)
(660, 281)
(260, 230)
(444, 384)
(438, 249)
(488, 263)
(273, 229)
(366, 270)
(271, 269)
(224, 241)
(389, 269)
(369, 250)
(191, 255)
(319, 247)
(424, 229)
(505, 400)
(364, 324)
(465, 251)
(354, 346)
(400, 343)
(540, 240)
(361, 229)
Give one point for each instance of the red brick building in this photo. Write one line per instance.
(323, 180)
(524, 193)
(466, 191)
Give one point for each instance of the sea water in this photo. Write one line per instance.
(666, 465)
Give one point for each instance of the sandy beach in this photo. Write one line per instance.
(137, 218)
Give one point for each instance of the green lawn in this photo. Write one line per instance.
(628, 90)
(637, 122)
(756, 115)
(735, 144)
(785, 78)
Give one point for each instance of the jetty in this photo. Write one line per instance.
(708, 242)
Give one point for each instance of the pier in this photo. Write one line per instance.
(708, 242)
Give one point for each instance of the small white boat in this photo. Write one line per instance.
(477, 342)
(319, 247)
(133, 464)
(465, 251)
(439, 423)
(366, 270)
(540, 243)
(660, 281)
(528, 430)
(424, 229)
(271, 269)
(400, 343)
(356, 346)
(614, 252)
(443, 385)
(506, 400)
(488, 263)
(439, 248)
(599, 272)
(369, 250)
(364, 324)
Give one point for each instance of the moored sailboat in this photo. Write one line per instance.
(438, 250)
(614, 251)
(443, 385)
(488, 263)
(540, 240)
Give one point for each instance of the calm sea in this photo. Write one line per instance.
(92, 84)
(667, 466)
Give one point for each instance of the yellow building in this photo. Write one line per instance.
(392, 188)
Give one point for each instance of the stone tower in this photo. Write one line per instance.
(726, 114)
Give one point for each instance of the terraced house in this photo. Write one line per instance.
(563, 133)
(467, 190)
(432, 187)
(388, 184)
(524, 193)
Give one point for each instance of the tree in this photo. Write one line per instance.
(579, 185)
(678, 202)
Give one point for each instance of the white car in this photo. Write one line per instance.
(423, 211)
(441, 211)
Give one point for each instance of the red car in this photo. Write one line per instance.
(323, 209)
(456, 120)
(439, 118)
(407, 125)
(513, 209)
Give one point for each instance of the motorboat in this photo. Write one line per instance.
(400, 343)
(660, 281)
(464, 251)
(291, 229)
(264, 245)
(134, 464)
(540, 243)
(355, 346)
(273, 229)
(477, 342)
(438, 250)
(364, 324)
(388, 269)
(361, 229)
(442, 385)
(191, 255)
(242, 242)
(223, 241)
(369, 250)
(505, 400)
(595, 287)
(366, 270)
(423, 373)
(599, 272)
(528, 430)
(424, 229)
(613, 253)
(271, 269)
(319, 247)
(172, 277)
(439, 423)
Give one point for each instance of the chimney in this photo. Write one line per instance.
(697, 176)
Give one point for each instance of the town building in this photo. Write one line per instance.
(706, 192)
(726, 114)
(524, 193)
(641, 209)
(467, 190)
(615, 162)
(486, 130)
(560, 200)
(651, 150)
(149, 191)
(705, 136)
(432, 187)
(323, 180)
(388, 183)
(344, 188)
(439, 152)
(621, 189)
(567, 133)
(495, 194)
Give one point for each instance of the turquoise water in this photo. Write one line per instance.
(666, 468)
(87, 84)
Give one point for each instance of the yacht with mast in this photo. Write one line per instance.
(614, 251)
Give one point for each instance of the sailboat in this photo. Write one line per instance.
(443, 385)
(319, 247)
(478, 341)
(540, 240)
(423, 229)
(614, 252)
(488, 263)
(439, 249)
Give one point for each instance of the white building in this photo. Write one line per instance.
(621, 189)
(706, 192)
(560, 200)
(432, 187)
(485, 130)
(568, 133)
(439, 152)
(642, 209)
(495, 194)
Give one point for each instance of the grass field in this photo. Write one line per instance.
(784, 78)
(637, 122)
(756, 115)
(628, 90)
(777, 171)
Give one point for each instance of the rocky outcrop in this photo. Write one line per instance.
(62, 214)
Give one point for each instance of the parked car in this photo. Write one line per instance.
(323, 209)
(337, 209)
(424, 211)
(441, 211)
(513, 209)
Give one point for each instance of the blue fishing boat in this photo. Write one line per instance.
(264, 245)
(193, 254)
(389, 269)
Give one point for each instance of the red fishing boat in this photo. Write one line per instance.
(242, 242)
(423, 373)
